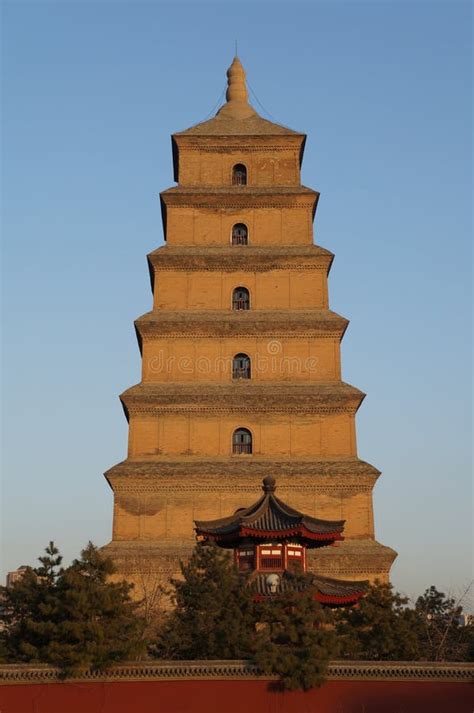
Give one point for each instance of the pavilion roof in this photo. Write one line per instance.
(326, 590)
(270, 517)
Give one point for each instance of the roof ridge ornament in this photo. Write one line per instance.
(269, 484)
(237, 106)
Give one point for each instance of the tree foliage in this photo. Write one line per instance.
(28, 610)
(77, 617)
(213, 615)
(69, 617)
(295, 639)
(443, 637)
(381, 628)
(384, 627)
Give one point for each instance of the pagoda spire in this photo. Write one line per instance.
(237, 106)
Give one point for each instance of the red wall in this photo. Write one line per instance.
(199, 696)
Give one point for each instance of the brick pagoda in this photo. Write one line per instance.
(241, 373)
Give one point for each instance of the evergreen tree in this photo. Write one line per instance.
(380, 628)
(97, 624)
(213, 617)
(29, 609)
(295, 639)
(71, 617)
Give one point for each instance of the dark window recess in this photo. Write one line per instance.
(241, 367)
(239, 175)
(242, 441)
(271, 563)
(240, 234)
(241, 298)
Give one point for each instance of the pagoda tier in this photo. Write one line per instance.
(241, 368)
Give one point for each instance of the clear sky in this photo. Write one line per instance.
(92, 92)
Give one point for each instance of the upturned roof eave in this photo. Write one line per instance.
(229, 538)
(333, 525)
(282, 520)
(325, 589)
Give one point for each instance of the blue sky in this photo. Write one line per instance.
(92, 92)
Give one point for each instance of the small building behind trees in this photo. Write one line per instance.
(270, 540)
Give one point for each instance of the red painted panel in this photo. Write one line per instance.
(198, 696)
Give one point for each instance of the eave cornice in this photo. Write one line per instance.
(241, 198)
(247, 468)
(162, 474)
(274, 324)
(209, 398)
(239, 142)
(248, 258)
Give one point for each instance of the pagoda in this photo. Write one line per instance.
(270, 540)
(241, 371)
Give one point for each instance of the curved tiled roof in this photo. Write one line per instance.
(270, 516)
(327, 590)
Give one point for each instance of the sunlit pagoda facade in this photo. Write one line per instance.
(270, 541)
(241, 371)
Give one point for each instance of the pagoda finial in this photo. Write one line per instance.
(237, 106)
(236, 85)
(269, 484)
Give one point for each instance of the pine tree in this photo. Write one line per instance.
(380, 628)
(29, 609)
(71, 617)
(96, 624)
(295, 639)
(213, 616)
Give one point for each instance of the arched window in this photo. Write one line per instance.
(241, 441)
(239, 175)
(240, 234)
(241, 366)
(241, 298)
